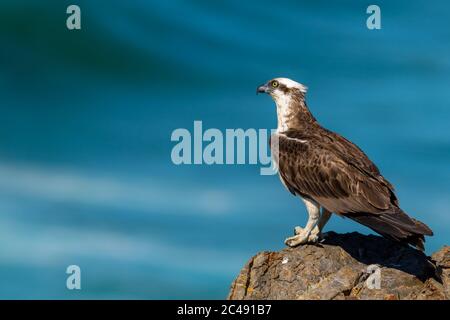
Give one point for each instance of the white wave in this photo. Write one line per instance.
(63, 185)
(51, 246)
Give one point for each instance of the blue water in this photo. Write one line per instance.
(86, 117)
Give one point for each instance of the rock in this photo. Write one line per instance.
(346, 266)
(442, 261)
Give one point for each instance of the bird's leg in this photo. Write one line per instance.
(302, 237)
(317, 231)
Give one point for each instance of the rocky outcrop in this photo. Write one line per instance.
(346, 266)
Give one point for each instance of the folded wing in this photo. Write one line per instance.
(340, 177)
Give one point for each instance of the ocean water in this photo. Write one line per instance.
(86, 117)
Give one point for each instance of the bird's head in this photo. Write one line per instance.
(282, 90)
(289, 96)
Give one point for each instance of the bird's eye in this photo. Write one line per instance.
(274, 84)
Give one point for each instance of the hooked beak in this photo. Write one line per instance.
(262, 89)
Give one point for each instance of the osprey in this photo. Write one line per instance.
(331, 173)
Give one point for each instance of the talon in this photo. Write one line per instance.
(313, 238)
(296, 240)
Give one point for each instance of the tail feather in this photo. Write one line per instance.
(395, 224)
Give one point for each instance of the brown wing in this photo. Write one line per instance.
(351, 154)
(355, 156)
(311, 167)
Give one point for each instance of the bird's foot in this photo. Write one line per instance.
(296, 240)
(314, 236)
(302, 237)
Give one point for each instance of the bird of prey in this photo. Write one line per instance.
(331, 173)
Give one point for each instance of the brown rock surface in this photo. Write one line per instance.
(338, 268)
(442, 261)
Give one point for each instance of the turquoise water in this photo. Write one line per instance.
(86, 117)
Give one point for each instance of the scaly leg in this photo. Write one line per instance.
(316, 233)
(323, 219)
(302, 237)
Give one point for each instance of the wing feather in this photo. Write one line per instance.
(314, 168)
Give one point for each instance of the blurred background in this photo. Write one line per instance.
(86, 117)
